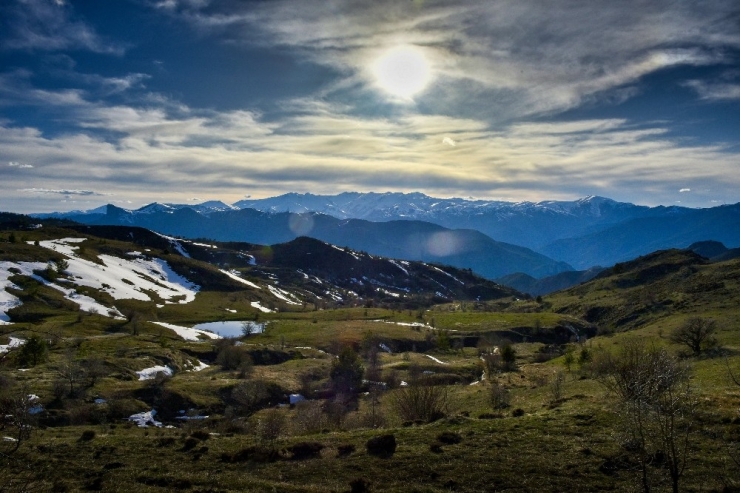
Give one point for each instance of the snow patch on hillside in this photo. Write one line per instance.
(124, 278)
(397, 264)
(13, 343)
(150, 373)
(235, 276)
(188, 333)
(8, 301)
(257, 305)
(283, 295)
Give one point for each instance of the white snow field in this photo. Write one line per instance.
(8, 301)
(14, 343)
(125, 278)
(150, 373)
(257, 305)
(145, 419)
(188, 333)
(234, 275)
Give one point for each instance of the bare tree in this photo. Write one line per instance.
(696, 333)
(656, 405)
(70, 371)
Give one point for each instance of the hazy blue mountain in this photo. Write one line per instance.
(409, 240)
(530, 224)
(564, 280)
(678, 228)
(582, 233)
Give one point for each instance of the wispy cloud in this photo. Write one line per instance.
(62, 192)
(526, 58)
(715, 91)
(139, 153)
(49, 26)
(16, 164)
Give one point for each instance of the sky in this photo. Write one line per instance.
(137, 101)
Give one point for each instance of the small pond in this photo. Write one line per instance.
(232, 328)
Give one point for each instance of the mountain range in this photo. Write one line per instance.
(493, 238)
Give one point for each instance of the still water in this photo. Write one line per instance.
(233, 328)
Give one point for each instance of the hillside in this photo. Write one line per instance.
(111, 383)
(661, 286)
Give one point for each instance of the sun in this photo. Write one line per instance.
(402, 71)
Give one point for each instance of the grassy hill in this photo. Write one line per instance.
(517, 384)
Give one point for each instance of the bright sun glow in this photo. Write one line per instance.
(402, 71)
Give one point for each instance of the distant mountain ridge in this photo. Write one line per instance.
(581, 233)
(407, 240)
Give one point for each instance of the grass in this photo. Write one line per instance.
(565, 444)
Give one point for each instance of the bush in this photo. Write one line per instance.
(271, 425)
(346, 372)
(345, 450)
(419, 402)
(306, 450)
(381, 446)
(254, 453)
(232, 357)
(697, 334)
(87, 435)
(252, 395)
(33, 352)
(309, 418)
(449, 437)
(499, 395)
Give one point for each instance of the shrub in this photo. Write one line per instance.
(499, 395)
(87, 435)
(346, 371)
(309, 417)
(271, 425)
(697, 334)
(359, 485)
(419, 402)
(33, 352)
(381, 446)
(556, 386)
(254, 453)
(306, 450)
(229, 356)
(251, 396)
(345, 450)
(200, 435)
(449, 437)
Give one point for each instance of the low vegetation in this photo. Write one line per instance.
(626, 383)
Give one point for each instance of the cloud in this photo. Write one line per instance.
(715, 91)
(683, 190)
(62, 192)
(49, 26)
(449, 142)
(523, 58)
(138, 153)
(16, 164)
